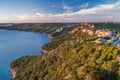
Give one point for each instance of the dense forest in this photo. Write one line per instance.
(109, 25)
(71, 57)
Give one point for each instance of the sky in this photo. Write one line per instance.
(39, 11)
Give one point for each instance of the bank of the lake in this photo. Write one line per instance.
(15, 44)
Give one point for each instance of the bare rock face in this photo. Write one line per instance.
(13, 72)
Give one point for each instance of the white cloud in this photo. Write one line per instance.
(83, 5)
(96, 9)
(103, 12)
(39, 14)
(23, 16)
(68, 9)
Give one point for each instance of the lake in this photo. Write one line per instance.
(15, 44)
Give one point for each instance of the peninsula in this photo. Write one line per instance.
(78, 51)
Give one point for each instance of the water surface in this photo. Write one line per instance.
(14, 44)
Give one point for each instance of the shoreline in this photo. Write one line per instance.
(12, 70)
(12, 73)
(44, 51)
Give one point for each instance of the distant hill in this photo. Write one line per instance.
(6, 25)
(110, 25)
(48, 28)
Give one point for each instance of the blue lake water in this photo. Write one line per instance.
(14, 44)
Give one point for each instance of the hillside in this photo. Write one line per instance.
(71, 56)
(52, 29)
(112, 26)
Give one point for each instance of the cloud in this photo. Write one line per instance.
(83, 5)
(96, 9)
(39, 14)
(103, 12)
(68, 8)
(23, 16)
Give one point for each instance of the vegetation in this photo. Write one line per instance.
(48, 28)
(71, 57)
(112, 26)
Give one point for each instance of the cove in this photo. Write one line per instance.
(15, 44)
